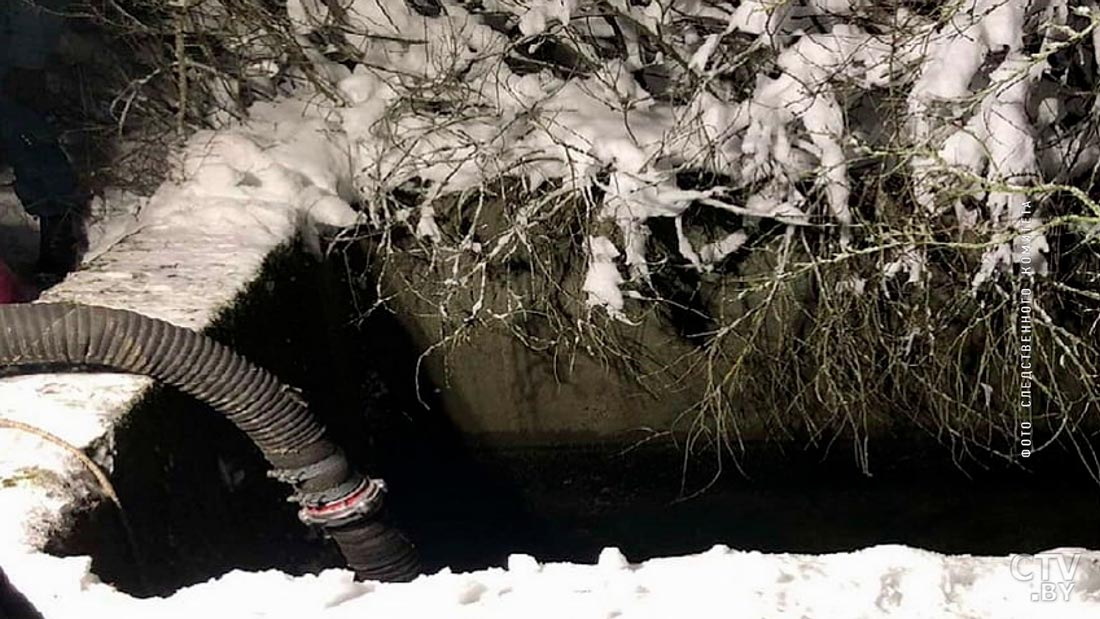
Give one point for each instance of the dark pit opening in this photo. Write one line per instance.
(199, 502)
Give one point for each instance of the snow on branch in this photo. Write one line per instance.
(782, 104)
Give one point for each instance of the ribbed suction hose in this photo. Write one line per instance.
(50, 338)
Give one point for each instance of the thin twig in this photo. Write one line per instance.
(104, 482)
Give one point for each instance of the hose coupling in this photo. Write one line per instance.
(333, 465)
(363, 501)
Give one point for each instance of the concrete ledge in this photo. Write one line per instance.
(162, 267)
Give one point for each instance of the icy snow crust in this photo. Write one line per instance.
(183, 254)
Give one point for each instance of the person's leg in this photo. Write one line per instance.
(13, 604)
(45, 183)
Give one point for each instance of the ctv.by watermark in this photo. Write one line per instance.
(1052, 574)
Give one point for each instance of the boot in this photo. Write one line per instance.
(61, 240)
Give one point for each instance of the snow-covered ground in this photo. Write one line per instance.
(885, 581)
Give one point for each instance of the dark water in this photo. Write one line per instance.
(567, 504)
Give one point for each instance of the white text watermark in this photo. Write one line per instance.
(1026, 342)
(1052, 574)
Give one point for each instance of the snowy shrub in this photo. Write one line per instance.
(838, 204)
(145, 74)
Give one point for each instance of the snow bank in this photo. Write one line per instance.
(884, 581)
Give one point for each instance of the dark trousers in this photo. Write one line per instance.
(44, 179)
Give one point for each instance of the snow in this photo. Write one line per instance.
(184, 254)
(542, 127)
(181, 255)
(910, 261)
(717, 250)
(792, 127)
(603, 278)
(883, 581)
(995, 149)
(301, 162)
(534, 21)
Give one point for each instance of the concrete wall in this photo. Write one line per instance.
(500, 392)
(643, 380)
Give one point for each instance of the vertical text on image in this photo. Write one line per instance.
(1024, 245)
